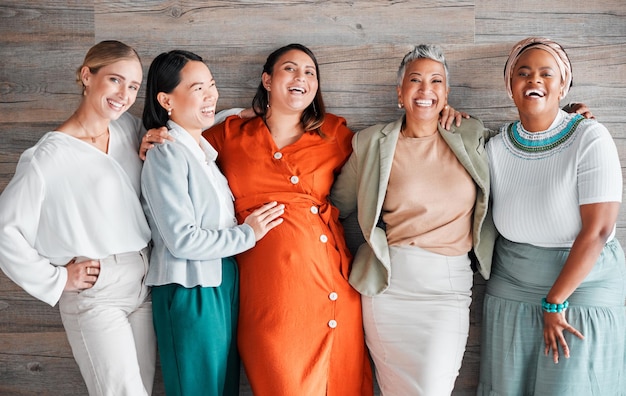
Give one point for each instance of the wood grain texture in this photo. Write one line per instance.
(42, 45)
(359, 45)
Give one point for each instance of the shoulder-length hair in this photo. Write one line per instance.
(313, 116)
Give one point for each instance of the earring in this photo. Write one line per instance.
(400, 105)
(268, 100)
(169, 112)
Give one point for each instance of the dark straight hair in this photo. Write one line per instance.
(163, 76)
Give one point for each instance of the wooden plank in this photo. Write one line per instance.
(57, 34)
(38, 363)
(36, 344)
(597, 22)
(238, 23)
(28, 315)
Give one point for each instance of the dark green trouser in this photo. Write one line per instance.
(196, 332)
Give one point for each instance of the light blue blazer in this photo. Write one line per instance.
(181, 203)
(363, 184)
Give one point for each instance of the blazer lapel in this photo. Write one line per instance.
(455, 141)
(387, 146)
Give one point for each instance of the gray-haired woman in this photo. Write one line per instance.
(422, 195)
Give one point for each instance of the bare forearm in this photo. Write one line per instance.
(597, 225)
(583, 256)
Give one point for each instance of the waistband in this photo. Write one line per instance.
(124, 256)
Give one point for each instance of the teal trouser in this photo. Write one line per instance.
(196, 334)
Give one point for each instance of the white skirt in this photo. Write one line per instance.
(416, 331)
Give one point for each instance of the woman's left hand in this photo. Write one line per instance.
(554, 324)
(154, 135)
(448, 115)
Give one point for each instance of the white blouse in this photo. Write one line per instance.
(68, 199)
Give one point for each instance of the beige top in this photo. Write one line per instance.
(430, 197)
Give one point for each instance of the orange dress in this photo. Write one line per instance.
(300, 326)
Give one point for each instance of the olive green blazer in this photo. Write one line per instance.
(362, 186)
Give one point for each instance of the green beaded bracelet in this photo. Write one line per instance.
(553, 308)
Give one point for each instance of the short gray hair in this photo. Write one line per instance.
(423, 51)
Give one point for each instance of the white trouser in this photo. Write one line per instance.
(109, 328)
(416, 331)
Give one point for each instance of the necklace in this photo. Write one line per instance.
(93, 138)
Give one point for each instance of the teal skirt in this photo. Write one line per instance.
(196, 335)
(512, 349)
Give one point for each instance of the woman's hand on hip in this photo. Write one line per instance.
(81, 276)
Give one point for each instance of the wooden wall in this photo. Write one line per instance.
(359, 45)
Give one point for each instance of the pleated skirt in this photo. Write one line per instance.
(512, 348)
(416, 331)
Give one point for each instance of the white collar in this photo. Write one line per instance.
(204, 152)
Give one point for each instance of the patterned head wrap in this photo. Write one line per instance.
(554, 49)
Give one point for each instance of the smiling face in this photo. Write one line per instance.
(293, 83)
(424, 91)
(193, 101)
(113, 89)
(537, 88)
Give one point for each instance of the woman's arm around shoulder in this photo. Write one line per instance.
(474, 128)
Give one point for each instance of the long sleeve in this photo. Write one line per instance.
(180, 219)
(20, 208)
(344, 192)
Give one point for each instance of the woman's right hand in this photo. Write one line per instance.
(265, 218)
(81, 276)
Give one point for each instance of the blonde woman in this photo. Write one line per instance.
(72, 230)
